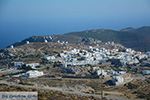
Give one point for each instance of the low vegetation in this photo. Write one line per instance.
(48, 94)
(25, 83)
(131, 86)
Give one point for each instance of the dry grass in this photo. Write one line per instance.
(48, 94)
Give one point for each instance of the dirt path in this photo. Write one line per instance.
(71, 92)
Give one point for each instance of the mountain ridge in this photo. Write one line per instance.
(136, 38)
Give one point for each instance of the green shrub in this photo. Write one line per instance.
(25, 83)
(132, 86)
(147, 80)
(80, 59)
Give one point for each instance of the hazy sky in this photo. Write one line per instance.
(20, 19)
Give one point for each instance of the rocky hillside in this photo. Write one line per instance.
(70, 38)
(42, 49)
(138, 39)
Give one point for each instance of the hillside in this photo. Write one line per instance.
(138, 39)
(142, 30)
(54, 38)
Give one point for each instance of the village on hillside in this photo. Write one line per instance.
(108, 64)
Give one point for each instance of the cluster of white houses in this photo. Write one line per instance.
(62, 42)
(129, 56)
(19, 64)
(118, 77)
(31, 73)
(107, 43)
(93, 56)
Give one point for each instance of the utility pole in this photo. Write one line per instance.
(101, 78)
(101, 84)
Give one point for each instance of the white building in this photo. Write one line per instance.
(18, 64)
(12, 46)
(90, 48)
(142, 56)
(31, 74)
(62, 42)
(88, 58)
(66, 42)
(71, 59)
(50, 37)
(128, 50)
(112, 72)
(99, 72)
(123, 63)
(62, 55)
(146, 72)
(58, 41)
(28, 42)
(112, 43)
(97, 45)
(33, 65)
(117, 80)
(148, 54)
(105, 43)
(117, 74)
(50, 58)
(45, 41)
(122, 73)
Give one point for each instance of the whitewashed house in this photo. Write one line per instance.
(12, 46)
(71, 59)
(58, 41)
(142, 56)
(97, 45)
(27, 42)
(133, 61)
(88, 58)
(66, 42)
(50, 37)
(117, 74)
(99, 72)
(31, 74)
(99, 58)
(123, 63)
(146, 72)
(112, 43)
(62, 42)
(45, 41)
(128, 50)
(62, 55)
(90, 48)
(18, 64)
(148, 54)
(117, 80)
(122, 72)
(33, 65)
(112, 72)
(50, 58)
(64, 65)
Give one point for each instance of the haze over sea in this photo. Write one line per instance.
(20, 19)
